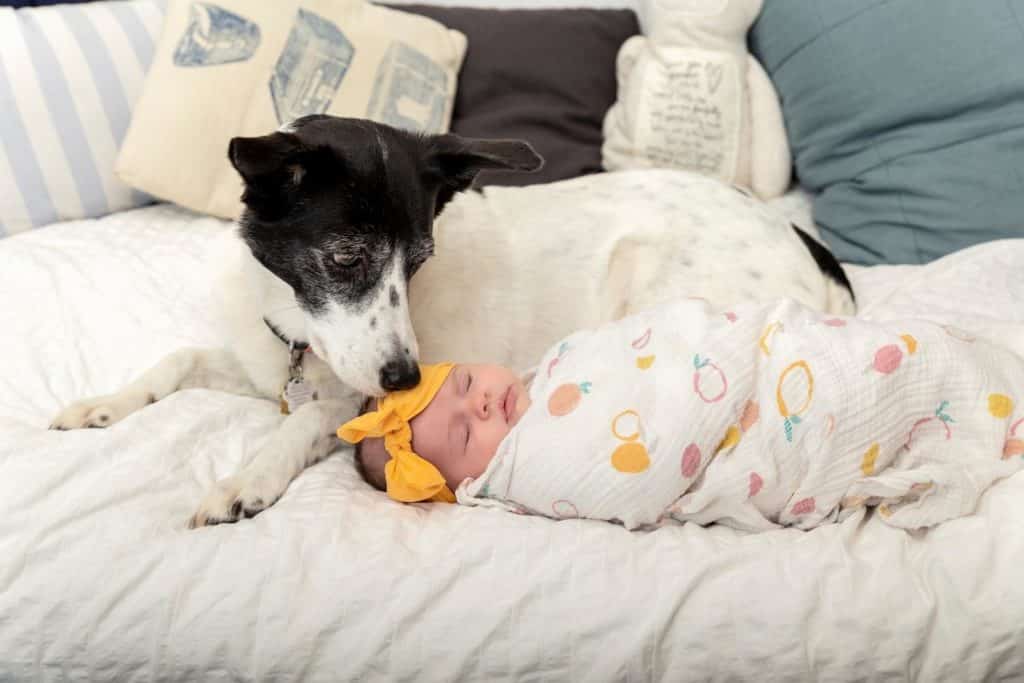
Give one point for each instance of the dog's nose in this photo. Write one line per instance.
(399, 374)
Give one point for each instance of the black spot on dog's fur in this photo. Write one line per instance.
(394, 298)
(826, 260)
(366, 196)
(373, 323)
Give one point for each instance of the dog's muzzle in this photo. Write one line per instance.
(399, 374)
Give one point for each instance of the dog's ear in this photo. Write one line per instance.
(263, 156)
(454, 161)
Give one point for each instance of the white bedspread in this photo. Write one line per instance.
(100, 580)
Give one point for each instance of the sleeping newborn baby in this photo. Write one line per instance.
(759, 417)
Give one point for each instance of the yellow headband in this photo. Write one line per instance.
(409, 477)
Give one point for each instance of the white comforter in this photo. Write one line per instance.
(99, 579)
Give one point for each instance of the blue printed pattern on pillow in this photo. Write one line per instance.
(409, 91)
(310, 68)
(69, 76)
(216, 36)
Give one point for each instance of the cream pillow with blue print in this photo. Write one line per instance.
(69, 76)
(235, 67)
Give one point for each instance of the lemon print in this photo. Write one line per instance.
(644, 362)
(765, 341)
(1000, 405)
(867, 465)
(619, 430)
(800, 390)
(732, 437)
(631, 458)
(853, 502)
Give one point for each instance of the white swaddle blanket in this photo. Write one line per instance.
(762, 416)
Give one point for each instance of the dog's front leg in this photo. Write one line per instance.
(183, 369)
(304, 437)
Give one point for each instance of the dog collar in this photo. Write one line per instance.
(296, 390)
(291, 343)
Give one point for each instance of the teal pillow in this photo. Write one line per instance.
(905, 117)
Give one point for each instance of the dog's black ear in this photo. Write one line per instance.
(262, 156)
(455, 161)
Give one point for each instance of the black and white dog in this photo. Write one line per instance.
(340, 214)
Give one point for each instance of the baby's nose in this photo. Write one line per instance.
(483, 405)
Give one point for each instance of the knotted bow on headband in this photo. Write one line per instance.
(409, 477)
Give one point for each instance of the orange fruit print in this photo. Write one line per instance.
(566, 397)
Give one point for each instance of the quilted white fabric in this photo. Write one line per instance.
(100, 580)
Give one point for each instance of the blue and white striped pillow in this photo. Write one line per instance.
(69, 77)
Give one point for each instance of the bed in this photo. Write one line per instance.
(102, 580)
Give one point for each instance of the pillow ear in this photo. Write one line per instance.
(454, 161)
(262, 156)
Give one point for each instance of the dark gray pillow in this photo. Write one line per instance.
(545, 76)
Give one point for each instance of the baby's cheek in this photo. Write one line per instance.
(482, 456)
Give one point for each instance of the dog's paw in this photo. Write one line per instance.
(234, 498)
(101, 411)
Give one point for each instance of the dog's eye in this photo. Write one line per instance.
(346, 260)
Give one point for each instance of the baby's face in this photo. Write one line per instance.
(475, 408)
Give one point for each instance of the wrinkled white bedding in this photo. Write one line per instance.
(101, 580)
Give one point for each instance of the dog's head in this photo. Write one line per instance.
(342, 210)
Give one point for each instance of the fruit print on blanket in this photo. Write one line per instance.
(771, 416)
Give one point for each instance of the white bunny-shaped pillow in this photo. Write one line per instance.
(692, 97)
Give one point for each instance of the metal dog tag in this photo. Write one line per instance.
(297, 392)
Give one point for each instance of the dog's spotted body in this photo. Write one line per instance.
(340, 216)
